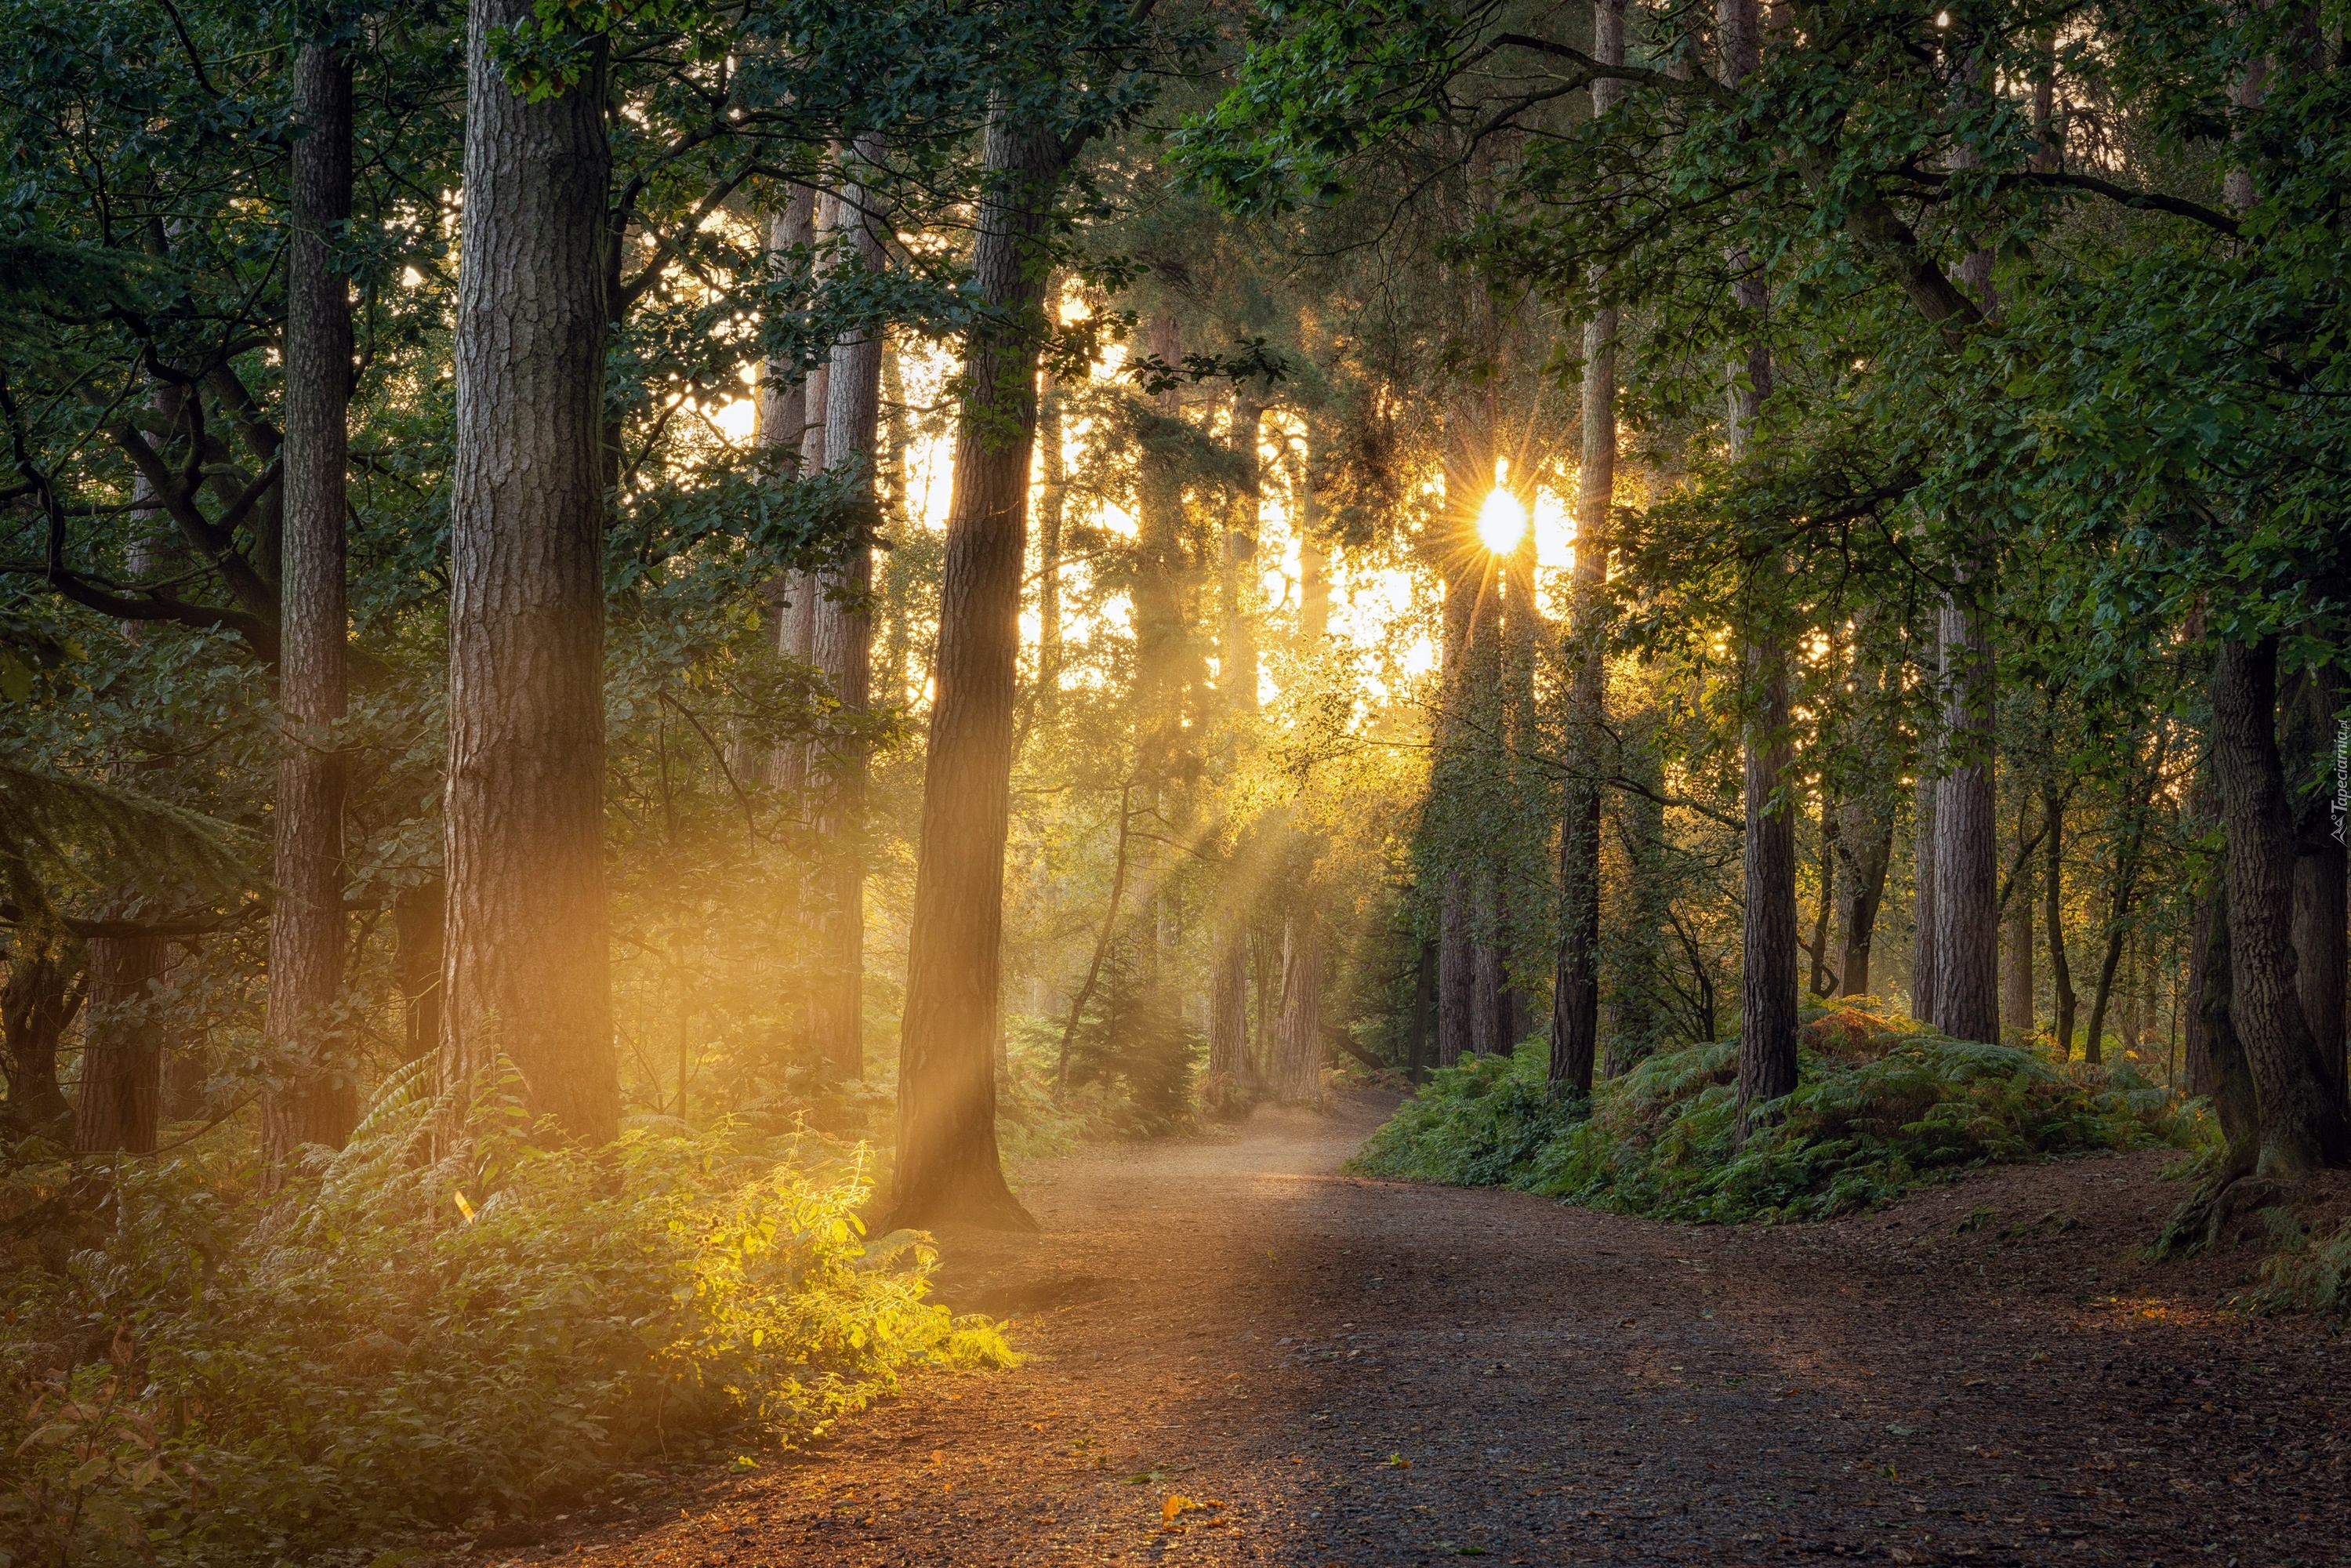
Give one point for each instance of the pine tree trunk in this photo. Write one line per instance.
(529, 976)
(948, 1168)
(2320, 910)
(1966, 848)
(1456, 975)
(1228, 1063)
(840, 645)
(1298, 1054)
(2302, 1109)
(122, 1047)
(1489, 983)
(320, 1102)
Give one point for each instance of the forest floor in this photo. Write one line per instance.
(1236, 1356)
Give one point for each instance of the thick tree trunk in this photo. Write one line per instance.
(320, 1100)
(1866, 843)
(947, 1164)
(1424, 1012)
(2052, 893)
(1052, 494)
(785, 424)
(1228, 1063)
(1966, 848)
(122, 1048)
(840, 645)
(2236, 1101)
(2302, 1111)
(1489, 1015)
(2320, 911)
(1298, 1054)
(529, 976)
(1456, 972)
(46, 989)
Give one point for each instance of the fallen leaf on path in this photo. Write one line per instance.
(1399, 1462)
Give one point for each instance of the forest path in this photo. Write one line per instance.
(1981, 1374)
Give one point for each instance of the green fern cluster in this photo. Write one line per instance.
(1871, 1117)
(411, 1340)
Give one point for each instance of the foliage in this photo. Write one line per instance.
(1878, 1109)
(402, 1341)
(2305, 1272)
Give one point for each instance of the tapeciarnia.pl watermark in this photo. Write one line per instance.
(2342, 776)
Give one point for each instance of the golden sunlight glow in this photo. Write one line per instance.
(1502, 522)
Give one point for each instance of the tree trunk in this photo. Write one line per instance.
(840, 645)
(1824, 977)
(528, 976)
(1966, 848)
(1866, 844)
(2302, 1111)
(2320, 911)
(2016, 973)
(320, 1102)
(122, 1048)
(1926, 970)
(948, 1168)
(1489, 985)
(1456, 975)
(784, 427)
(2052, 893)
(1423, 1011)
(1228, 1063)
(1052, 496)
(1237, 673)
(1575, 975)
(1298, 1054)
(46, 989)
(2236, 1101)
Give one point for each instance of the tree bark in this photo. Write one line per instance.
(529, 976)
(418, 953)
(2302, 1112)
(1866, 845)
(948, 1168)
(46, 989)
(1925, 969)
(1824, 977)
(1456, 978)
(784, 428)
(1052, 496)
(122, 1048)
(1967, 849)
(1575, 974)
(1297, 1055)
(320, 1100)
(840, 645)
(2320, 912)
(2062, 1001)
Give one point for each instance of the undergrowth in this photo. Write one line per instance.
(203, 1375)
(1881, 1106)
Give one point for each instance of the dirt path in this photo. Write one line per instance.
(1355, 1373)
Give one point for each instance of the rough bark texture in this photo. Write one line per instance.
(2302, 1112)
(784, 426)
(528, 973)
(1298, 1051)
(840, 645)
(1228, 1063)
(122, 1048)
(1924, 969)
(2236, 1100)
(1456, 967)
(1966, 837)
(1489, 1007)
(1823, 978)
(1052, 496)
(948, 1165)
(320, 1100)
(1575, 978)
(45, 989)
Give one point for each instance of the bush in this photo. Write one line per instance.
(1879, 1107)
(213, 1379)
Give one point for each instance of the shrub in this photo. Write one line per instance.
(1879, 1107)
(400, 1343)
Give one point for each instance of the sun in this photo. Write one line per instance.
(1501, 522)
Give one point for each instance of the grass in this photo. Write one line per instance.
(1881, 1106)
